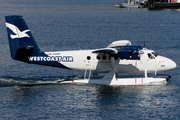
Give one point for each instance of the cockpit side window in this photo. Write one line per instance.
(151, 56)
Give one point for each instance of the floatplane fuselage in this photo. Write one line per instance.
(118, 57)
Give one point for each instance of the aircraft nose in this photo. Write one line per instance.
(173, 64)
(166, 64)
(170, 64)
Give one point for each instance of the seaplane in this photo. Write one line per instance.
(118, 57)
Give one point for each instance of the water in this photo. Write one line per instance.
(33, 91)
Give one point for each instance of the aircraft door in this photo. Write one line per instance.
(89, 62)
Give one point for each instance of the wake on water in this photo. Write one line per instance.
(50, 80)
(9, 81)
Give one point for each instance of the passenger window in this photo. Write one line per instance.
(98, 57)
(104, 57)
(88, 58)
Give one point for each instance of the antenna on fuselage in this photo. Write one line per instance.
(79, 48)
(144, 43)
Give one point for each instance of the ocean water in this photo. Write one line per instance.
(33, 92)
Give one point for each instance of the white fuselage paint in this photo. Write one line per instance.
(86, 60)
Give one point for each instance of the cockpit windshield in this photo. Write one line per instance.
(155, 54)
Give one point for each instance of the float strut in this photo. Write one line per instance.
(145, 73)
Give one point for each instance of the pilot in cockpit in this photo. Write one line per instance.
(150, 56)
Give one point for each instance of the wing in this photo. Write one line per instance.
(119, 43)
(106, 50)
(125, 52)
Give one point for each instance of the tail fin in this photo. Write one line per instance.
(21, 42)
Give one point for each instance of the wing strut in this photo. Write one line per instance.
(112, 74)
(113, 64)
